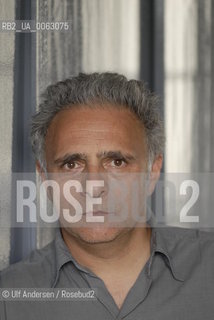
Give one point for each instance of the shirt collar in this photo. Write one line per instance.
(179, 246)
(63, 256)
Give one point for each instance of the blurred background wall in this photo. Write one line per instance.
(189, 84)
(167, 43)
(7, 50)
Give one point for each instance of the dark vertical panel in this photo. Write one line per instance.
(158, 54)
(152, 46)
(158, 51)
(23, 240)
(147, 42)
(152, 53)
(212, 89)
(198, 113)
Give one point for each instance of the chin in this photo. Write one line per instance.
(96, 234)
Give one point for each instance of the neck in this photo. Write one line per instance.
(131, 248)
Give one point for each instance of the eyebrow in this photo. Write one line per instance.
(101, 155)
(115, 154)
(71, 157)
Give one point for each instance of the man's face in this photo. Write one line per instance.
(95, 142)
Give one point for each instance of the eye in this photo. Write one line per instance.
(71, 165)
(118, 163)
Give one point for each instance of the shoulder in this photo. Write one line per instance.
(177, 233)
(188, 240)
(37, 270)
(206, 242)
(191, 251)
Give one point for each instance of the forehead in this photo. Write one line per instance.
(84, 125)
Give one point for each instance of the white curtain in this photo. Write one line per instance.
(189, 84)
(189, 58)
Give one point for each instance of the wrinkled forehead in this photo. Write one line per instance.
(107, 124)
(82, 129)
(95, 112)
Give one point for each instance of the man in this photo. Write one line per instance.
(102, 127)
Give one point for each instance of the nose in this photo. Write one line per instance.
(95, 184)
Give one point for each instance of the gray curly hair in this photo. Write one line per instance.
(107, 87)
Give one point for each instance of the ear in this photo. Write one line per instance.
(155, 173)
